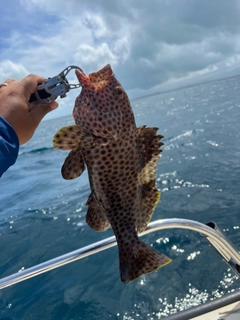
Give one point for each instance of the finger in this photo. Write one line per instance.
(29, 84)
(53, 105)
(39, 111)
(9, 80)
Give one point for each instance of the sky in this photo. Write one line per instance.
(152, 45)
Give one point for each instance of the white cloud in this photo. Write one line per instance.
(122, 48)
(96, 24)
(95, 56)
(9, 69)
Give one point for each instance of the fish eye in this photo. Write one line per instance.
(119, 92)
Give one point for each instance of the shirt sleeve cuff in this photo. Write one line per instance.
(9, 145)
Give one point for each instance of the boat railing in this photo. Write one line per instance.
(209, 231)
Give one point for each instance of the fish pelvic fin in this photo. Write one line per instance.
(71, 137)
(74, 165)
(139, 259)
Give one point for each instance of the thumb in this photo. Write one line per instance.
(39, 111)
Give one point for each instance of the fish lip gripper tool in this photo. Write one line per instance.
(54, 87)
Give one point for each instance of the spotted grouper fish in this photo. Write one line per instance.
(121, 160)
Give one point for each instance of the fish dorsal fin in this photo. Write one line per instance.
(74, 165)
(70, 137)
(96, 217)
(149, 145)
(149, 148)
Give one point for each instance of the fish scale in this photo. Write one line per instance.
(121, 160)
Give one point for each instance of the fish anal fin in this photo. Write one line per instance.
(138, 259)
(70, 137)
(74, 165)
(95, 217)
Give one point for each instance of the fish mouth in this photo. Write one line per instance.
(96, 80)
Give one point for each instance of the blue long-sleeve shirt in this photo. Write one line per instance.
(9, 146)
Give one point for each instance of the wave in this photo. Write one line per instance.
(38, 150)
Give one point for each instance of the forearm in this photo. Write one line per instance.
(9, 146)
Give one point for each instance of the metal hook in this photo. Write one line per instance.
(65, 72)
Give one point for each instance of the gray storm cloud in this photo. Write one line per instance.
(151, 44)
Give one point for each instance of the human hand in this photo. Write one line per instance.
(15, 107)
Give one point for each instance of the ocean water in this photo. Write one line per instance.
(42, 216)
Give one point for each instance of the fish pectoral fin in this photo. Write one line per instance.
(74, 165)
(95, 217)
(138, 259)
(70, 137)
(150, 198)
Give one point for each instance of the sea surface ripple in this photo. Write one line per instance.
(42, 216)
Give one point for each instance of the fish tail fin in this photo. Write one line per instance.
(139, 259)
